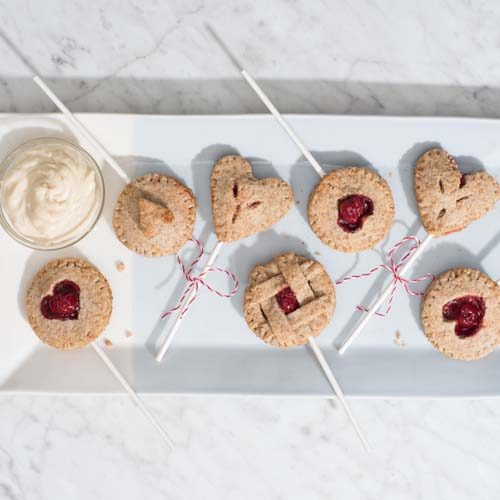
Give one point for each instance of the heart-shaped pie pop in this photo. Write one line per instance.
(448, 201)
(243, 205)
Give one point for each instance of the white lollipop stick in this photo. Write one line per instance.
(180, 316)
(79, 128)
(270, 106)
(73, 121)
(135, 398)
(338, 391)
(385, 294)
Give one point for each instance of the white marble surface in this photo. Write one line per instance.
(378, 57)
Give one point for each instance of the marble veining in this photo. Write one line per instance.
(364, 57)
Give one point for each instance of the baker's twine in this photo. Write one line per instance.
(198, 281)
(394, 268)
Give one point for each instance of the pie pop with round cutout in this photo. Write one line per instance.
(351, 209)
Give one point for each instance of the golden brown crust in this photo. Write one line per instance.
(96, 302)
(243, 205)
(444, 205)
(313, 288)
(451, 285)
(168, 194)
(153, 216)
(323, 208)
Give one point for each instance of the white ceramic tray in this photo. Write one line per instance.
(215, 352)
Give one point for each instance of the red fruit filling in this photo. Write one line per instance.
(353, 210)
(287, 300)
(64, 303)
(462, 180)
(468, 312)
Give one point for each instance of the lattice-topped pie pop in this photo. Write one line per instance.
(351, 209)
(288, 300)
(448, 200)
(461, 314)
(243, 205)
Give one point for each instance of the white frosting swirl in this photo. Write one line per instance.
(50, 194)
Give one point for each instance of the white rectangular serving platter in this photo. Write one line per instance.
(215, 352)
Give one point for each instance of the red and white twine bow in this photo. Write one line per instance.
(395, 268)
(198, 281)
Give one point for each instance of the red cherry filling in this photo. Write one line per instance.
(287, 300)
(468, 312)
(463, 180)
(352, 212)
(64, 303)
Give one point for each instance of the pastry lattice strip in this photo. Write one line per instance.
(302, 279)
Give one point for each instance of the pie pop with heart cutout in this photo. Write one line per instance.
(448, 201)
(243, 205)
(69, 303)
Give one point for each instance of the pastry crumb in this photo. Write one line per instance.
(120, 266)
(128, 334)
(108, 343)
(317, 253)
(390, 174)
(297, 201)
(398, 340)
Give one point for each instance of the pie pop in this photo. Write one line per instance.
(154, 215)
(351, 209)
(461, 314)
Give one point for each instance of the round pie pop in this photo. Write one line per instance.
(351, 209)
(461, 314)
(154, 215)
(289, 300)
(69, 303)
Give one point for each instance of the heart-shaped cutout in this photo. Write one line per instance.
(243, 205)
(63, 303)
(449, 201)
